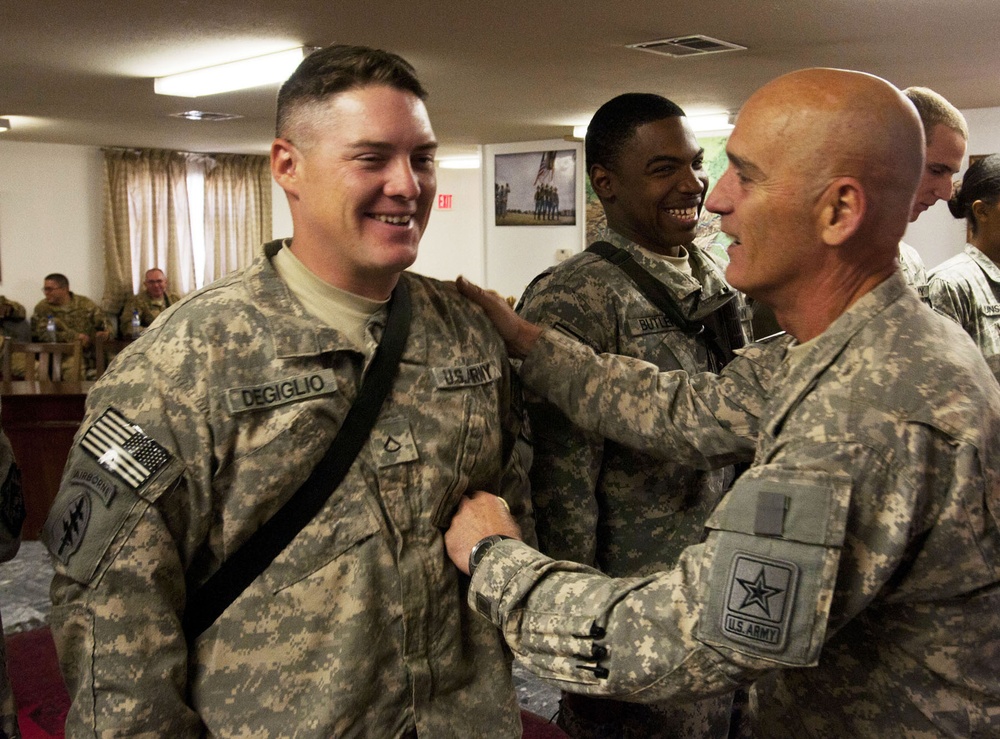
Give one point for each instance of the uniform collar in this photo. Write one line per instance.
(987, 265)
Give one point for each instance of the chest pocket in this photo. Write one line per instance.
(774, 549)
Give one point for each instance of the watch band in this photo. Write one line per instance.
(481, 548)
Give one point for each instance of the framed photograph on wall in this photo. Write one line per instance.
(535, 188)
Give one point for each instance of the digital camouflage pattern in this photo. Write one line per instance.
(80, 315)
(359, 628)
(966, 288)
(602, 504)
(148, 310)
(11, 517)
(852, 571)
(912, 267)
(11, 309)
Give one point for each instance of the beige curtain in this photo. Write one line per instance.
(146, 221)
(237, 211)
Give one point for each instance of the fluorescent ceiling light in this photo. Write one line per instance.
(255, 72)
(4, 124)
(579, 132)
(717, 122)
(459, 162)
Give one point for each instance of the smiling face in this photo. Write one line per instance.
(359, 173)
(765, 207)
(155, 284)
(653, 192)
(944, 154)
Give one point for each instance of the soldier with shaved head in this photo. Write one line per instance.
(851, 574)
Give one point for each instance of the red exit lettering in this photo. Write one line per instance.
(444, 202)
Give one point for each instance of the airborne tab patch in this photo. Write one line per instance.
(446, 378)
(281, 392)
(120, 447)
(759, 598)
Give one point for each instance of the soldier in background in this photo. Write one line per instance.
(596, 502)
(945, 137)
(154, 298)
(359, 626)
(76, 317)
(851, 574)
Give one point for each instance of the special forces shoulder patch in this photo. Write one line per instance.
(759, 597)
(67, 531)
(121, 448)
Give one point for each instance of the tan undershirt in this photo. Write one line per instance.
(346, 312)
(681, 263)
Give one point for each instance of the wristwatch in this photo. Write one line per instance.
(482, 547)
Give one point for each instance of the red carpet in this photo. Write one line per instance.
(42, 700)
(41, 697)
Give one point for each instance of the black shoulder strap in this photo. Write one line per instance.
(657, 294)
(257, 552)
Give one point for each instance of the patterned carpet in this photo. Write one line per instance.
(38, 687)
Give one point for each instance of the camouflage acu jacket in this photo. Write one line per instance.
(80, 315)
(595, 501)
(852, 571)
(148, 310)
(200, 431)
(966, 288)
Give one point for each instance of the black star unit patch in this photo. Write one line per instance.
(759, 599)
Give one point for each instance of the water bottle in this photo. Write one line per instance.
(136, 324)
(50, 329)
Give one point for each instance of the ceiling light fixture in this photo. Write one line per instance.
(714, 123)
(204, 115)
(255, 72)
(4, 124)
(580, 132)
(459, 162)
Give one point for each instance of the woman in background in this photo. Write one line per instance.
(966, 288)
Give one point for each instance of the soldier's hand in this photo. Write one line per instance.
(479, 515)
(518, 334)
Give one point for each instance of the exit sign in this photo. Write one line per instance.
(444, 202)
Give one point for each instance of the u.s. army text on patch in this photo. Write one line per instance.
(121, 448)
(760, 593)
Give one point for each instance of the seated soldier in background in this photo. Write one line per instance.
(76, 318)
(150, 302)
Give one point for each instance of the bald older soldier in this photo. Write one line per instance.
(154, 298)
(851, 574)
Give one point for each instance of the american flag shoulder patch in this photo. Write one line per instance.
(120, 447)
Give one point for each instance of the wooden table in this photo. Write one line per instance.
(40, 419)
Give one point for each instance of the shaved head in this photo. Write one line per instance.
(824, 164)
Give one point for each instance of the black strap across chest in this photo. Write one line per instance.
(208, 602)
(658, 294)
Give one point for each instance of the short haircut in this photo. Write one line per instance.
(934, 110)
(59, 279)
(981, 182)
(338, 68)
(615, 122)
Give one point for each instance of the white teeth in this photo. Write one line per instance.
(683, 212)
(395, 220)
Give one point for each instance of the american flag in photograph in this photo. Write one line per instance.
(119, 446)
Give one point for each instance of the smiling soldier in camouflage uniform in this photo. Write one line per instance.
(219, 412)
(597, 502)
(77, 318)
(852, 571)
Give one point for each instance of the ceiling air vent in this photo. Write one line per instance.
(682, 46)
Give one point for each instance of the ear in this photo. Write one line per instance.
(842, 210)
(981, 211)
(285, 163)
(601, 181)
